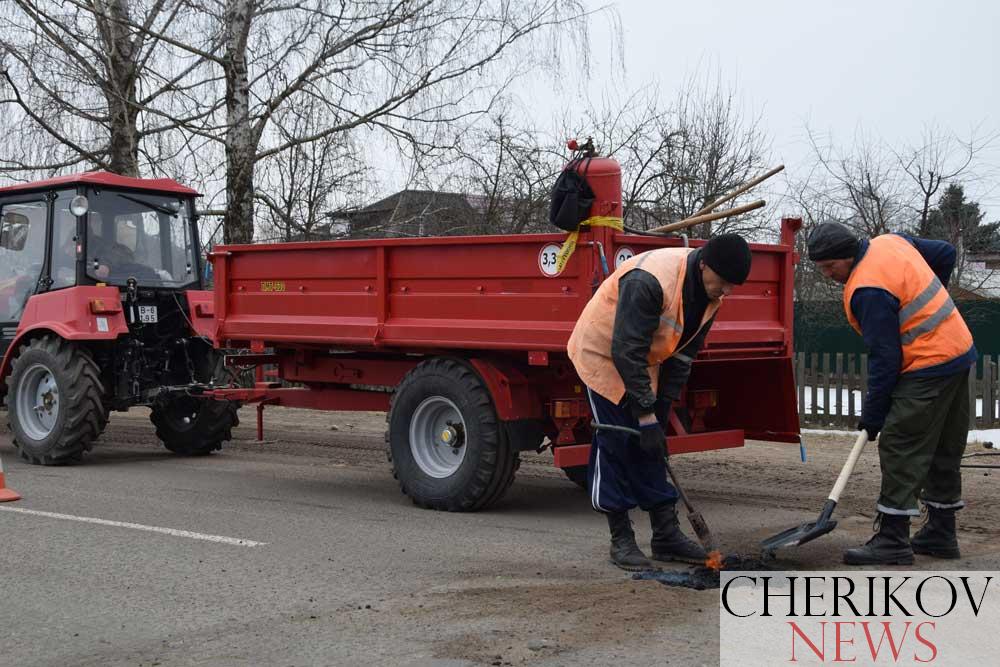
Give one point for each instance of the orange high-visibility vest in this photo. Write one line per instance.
(590, 344)
(931, 330)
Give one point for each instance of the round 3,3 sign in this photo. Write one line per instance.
(547, 259)
(623, 255)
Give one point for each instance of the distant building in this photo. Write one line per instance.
(411, 213)
(414, 213)
(981, 276)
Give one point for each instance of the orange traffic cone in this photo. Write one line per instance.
(5, 493)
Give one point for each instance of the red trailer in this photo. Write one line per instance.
(462, 340)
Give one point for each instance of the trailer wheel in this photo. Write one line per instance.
(444, 440)
(192, 426)
(577, 475)
(55, 401)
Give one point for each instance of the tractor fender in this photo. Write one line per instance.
(77, 313)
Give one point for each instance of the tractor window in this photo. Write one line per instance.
(22, 253)
(139, 235)
(64, 243)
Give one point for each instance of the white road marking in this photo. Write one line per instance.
(235, 541)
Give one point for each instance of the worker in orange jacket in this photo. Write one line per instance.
(633, 347)
(920, 352)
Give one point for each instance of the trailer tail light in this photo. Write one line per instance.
(699, 402)
(703, 400)
(105, 307)
(538, 358)
(567, 409)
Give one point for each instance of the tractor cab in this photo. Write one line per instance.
(91, 229)
(102, 309)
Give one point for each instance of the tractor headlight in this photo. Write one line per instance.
(79, 205)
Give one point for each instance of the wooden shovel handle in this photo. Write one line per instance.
(852, 459)
(708, 217)
(740, 190)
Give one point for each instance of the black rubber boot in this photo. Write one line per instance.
(669, 543)
(889, 546)
(625, 553)
(937, 538)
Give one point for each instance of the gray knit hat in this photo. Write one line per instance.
(832, 240)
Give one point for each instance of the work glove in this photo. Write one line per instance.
(662, 410)
(872, 431)
(652, 440)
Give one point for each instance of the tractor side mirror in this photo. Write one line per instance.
(13, 231)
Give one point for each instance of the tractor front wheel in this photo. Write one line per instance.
(192, 426)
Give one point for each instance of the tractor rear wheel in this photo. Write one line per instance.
(55, 401)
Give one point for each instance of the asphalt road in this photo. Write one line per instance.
(302, 551)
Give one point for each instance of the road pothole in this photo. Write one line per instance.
(702, 577)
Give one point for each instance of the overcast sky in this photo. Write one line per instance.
(886, 65)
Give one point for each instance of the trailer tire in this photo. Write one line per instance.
(577, 475)
(446, 395)
(191, 426)
(72, 417)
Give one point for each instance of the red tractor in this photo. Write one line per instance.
(102, 307)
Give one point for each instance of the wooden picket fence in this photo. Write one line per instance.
(831, 389)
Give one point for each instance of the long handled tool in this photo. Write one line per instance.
(698, 522)
(705, 214)
(708, 208)
(807, 532)
(694, 516)
(708, 217)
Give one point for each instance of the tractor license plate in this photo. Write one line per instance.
(147, 314)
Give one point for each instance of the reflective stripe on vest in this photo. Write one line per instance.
(931, 330)
(590, 343)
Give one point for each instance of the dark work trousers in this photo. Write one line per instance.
(620, 475)
(921, 445)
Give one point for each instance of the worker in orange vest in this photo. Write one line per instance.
(633, 347)
(920, 352)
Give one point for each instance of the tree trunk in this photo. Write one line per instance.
(241, 149)
(123, 111)
(924, 212)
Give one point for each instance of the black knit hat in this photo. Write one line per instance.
(832, 240)
(729, 256)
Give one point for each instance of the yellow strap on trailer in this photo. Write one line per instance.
(569, 245)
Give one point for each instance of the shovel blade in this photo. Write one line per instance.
(796, 537)
(807, 532)
(701, 530)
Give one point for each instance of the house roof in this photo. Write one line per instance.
(414, 196)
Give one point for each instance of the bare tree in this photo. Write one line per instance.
(405, 67)
(507, 169)
(720, 146)
(412, 69)
(815, 205)
(878, 189)
(677, 159)
(635, 131)
(941, 157)
(80, 74)
(302, 187)
(863, 185)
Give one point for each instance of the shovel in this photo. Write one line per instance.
(698, 522)
(807, 532)
(694, 516)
